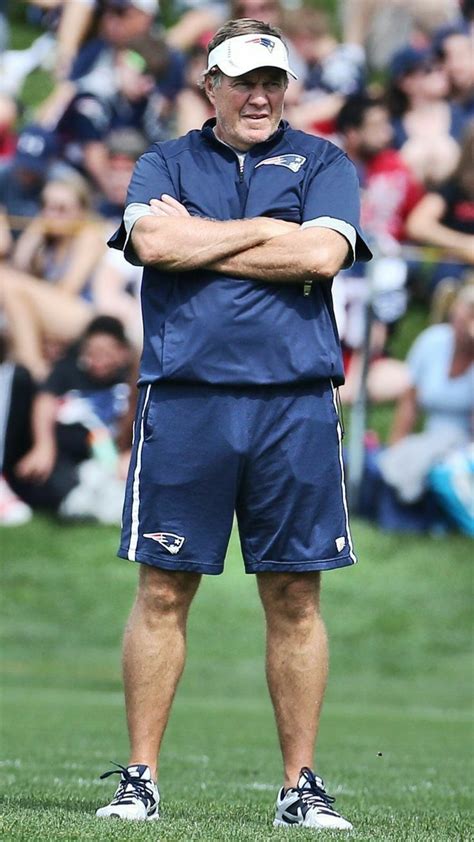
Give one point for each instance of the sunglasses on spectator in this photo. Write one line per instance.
(118, 11)
(59, 207)
(426, 69)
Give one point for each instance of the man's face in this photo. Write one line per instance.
(374, 134)
(121, 24)
(119, 173)
(133, 82)
(61, 210)
(102, 356)
(458, 62)
(249, 107)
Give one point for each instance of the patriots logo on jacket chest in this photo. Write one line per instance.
(290, 161)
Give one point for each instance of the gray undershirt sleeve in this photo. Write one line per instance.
(132, 214)
(345, 228)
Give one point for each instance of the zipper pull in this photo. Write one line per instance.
(307, 287)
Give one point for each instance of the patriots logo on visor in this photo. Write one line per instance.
(265, 42)
(168, 540)
(291, 162)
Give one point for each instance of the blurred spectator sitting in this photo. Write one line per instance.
(441, 364)
(389, 191)
(426, 127)
(389, 188)
(138, 101)
(444, 218)
(333, 70)
(454, 45)
(116, 283)
(23, 179)
(47, 290)
(123, 148)
(72, 464)
(405, 478)
(119, 23)
(384, 26)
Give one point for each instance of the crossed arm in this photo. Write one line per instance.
(261, 249)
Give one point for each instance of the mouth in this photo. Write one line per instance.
(255, 117)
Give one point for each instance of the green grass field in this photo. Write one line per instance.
(401, 685)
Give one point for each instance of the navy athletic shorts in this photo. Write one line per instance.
(271, 454)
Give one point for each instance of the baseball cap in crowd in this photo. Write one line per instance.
(409, 59)
(244, 53)
(35, 150)
(150, 7)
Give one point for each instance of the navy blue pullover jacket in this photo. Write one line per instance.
(201, 326)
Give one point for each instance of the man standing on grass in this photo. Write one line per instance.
(240, 227)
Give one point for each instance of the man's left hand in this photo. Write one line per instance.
(167, 206)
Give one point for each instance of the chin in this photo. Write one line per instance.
(259, 135)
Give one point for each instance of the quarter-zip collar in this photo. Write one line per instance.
(256, 151)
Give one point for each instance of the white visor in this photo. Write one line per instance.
(244, 53)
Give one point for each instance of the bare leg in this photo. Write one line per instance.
(297, 663)
(153, 657)
(35, 310)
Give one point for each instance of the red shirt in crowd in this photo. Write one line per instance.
(389, 192)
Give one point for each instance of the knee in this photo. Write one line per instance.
(292, 599)
(166, 594)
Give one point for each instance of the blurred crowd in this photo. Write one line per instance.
(389, 81)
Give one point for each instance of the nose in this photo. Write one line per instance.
(258, 95)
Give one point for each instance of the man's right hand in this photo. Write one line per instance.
(37, 465)
(169, 206)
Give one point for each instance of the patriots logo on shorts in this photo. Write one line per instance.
(291, 162)
(168, 540)
(264, 42)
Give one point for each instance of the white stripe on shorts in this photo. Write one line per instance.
(343, 483)
(132, 547)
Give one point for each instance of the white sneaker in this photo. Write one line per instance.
(13, 511)
(308, 805)
(136, 798)
(98, 495)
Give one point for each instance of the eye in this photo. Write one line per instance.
(274, 85)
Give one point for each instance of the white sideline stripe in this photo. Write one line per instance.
(132, 547)
(343, 483)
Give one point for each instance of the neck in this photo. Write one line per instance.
(234, 146)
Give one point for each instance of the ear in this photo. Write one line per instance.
(209, 90)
